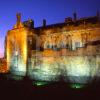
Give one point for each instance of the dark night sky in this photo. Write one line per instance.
(52, 10)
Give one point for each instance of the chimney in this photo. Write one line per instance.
(31, 23)
(98, 15)
(44, 23)
(75, 16)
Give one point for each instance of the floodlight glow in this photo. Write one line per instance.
(40, 83)
(81, 68)
(17, 65)
(76, 86)
(45, 71)
(78, 67)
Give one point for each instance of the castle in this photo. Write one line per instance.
(71, 48)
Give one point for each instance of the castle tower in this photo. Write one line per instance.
(17, 48)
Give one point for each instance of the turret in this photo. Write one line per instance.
(18, 22)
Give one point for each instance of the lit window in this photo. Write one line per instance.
(77, 44)
(30, 41)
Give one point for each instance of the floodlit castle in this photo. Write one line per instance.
(71, 48)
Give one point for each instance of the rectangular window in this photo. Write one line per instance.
(77, 44)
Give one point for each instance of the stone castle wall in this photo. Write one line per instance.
(46, 53)
(17, 49)
(81, 60)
